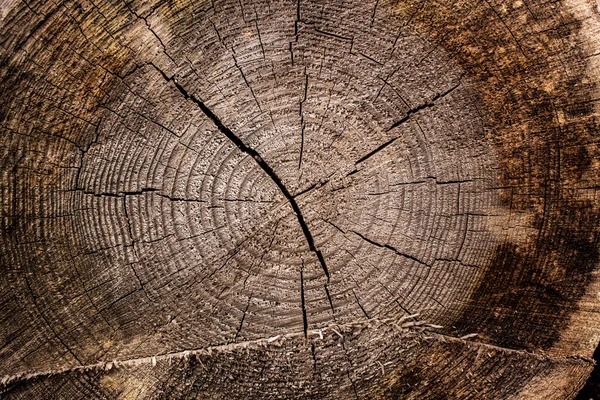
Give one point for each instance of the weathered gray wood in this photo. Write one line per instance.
(185, 176)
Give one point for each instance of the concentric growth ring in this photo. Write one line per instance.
(363, 197)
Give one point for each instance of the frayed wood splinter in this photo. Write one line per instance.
(469, 336)
(272, 339)
(337, 333)
(407, 317)
(411, 324)
(382, 368)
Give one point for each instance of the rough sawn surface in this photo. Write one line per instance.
(311, 199)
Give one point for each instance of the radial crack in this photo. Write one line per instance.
(407, 116)
(387, 246)
(145, 19)
(243, 318)
(303, 301)
(429, 104)
(259, 160)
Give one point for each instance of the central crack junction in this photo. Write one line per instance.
(261, 163)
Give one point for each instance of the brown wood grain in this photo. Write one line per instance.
(279, 199)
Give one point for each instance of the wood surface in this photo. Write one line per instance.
(254, 199)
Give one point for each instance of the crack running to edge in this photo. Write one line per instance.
(259, 160)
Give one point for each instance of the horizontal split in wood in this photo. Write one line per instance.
(314, 337)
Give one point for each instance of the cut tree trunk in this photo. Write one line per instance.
(315, 199)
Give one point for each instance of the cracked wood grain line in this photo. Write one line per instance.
(228, 198)
(261, 163)
(276, 341)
